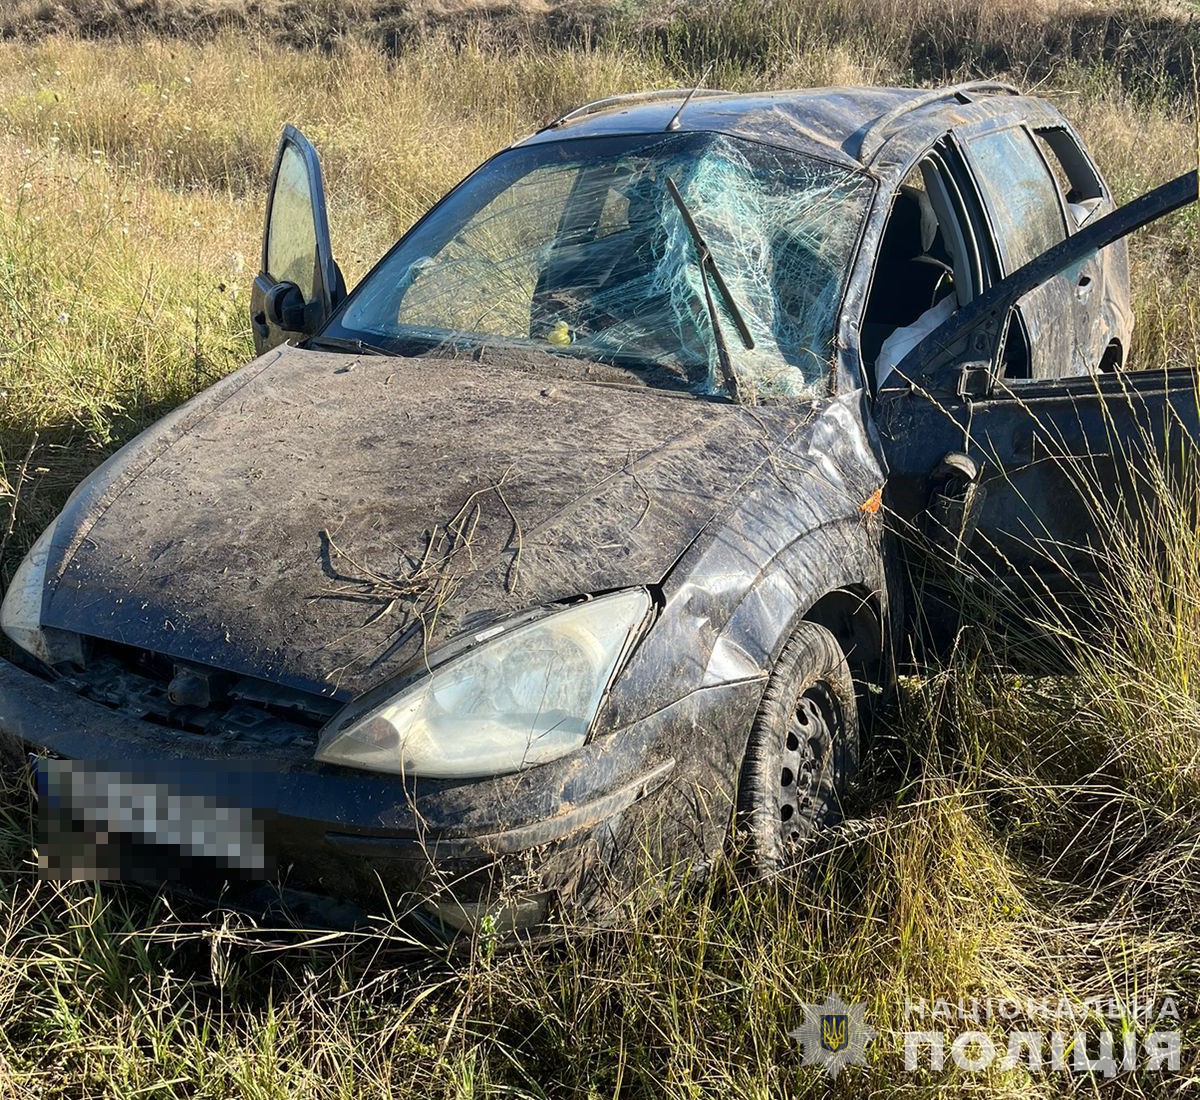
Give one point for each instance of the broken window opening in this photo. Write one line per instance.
(928, 265)
(1076, 175)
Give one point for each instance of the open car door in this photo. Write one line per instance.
(1031, 481)
(298, 284)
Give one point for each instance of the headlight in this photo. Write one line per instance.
(21, 612)
(521, 698)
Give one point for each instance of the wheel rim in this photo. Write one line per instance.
(807, 763)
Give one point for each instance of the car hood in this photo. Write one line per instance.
(321, 520)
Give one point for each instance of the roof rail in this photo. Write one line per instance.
(874, 137)
(629, 98)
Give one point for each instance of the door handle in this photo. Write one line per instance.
(1084, 287)
(259, 321)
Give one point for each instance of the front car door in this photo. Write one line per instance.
(1031, 479)
(298, 284)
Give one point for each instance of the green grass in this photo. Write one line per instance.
(1021, 837)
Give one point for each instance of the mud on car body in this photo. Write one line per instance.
(554, 553)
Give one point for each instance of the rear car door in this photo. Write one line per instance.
(1026, 216)
(1103, 315)
(1033, 479)
(298, 284)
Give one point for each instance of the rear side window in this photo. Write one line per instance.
(1076, 175)
(1020, 194)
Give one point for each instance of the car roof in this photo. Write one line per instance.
(876, 129)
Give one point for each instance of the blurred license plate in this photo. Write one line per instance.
(92, 817)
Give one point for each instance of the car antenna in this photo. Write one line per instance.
(674, 123)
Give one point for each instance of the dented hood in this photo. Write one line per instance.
(315, 519)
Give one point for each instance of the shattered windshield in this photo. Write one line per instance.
(577, 248)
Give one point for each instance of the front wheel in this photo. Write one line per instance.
(802, 752)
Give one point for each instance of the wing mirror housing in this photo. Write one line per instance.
(287, 309)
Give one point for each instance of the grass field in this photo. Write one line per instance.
(1018, 839)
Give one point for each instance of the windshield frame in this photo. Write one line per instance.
(460, 343)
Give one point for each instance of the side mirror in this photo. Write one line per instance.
(287, 309)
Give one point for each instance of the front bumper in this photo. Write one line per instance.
(565, 832)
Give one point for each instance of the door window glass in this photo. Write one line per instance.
(292, 237)
(1020, 193)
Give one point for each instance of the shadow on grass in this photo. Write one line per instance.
(40, 469)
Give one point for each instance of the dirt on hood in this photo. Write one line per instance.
(317, 520)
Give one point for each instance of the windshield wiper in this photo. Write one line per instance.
(339, 343)
(709, 269)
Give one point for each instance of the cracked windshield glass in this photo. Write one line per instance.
(578, 248)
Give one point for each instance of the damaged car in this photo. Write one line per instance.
(560, 551)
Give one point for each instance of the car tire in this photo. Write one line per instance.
(801, 755)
